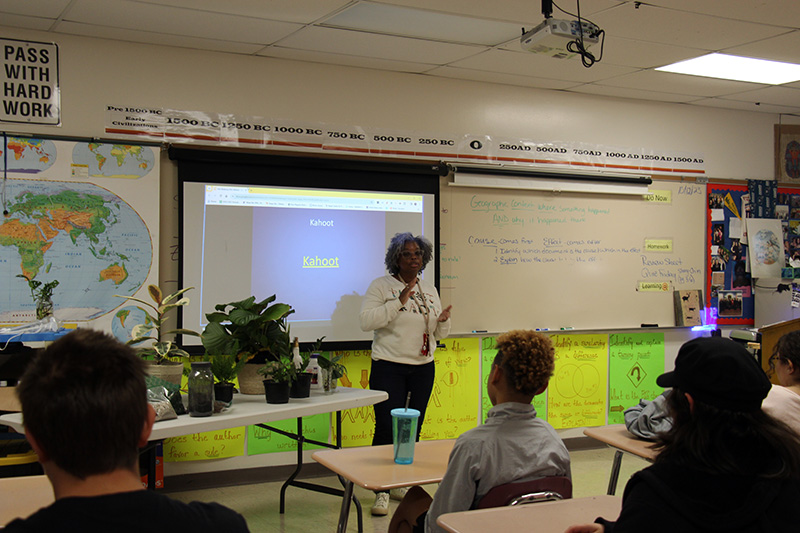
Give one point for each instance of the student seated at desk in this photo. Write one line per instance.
(783, 401)
(513, 445)
(725, 465)
(84, 404)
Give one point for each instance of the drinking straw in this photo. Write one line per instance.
(408, 399)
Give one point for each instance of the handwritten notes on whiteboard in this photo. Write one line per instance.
(577, 391)
(635, 361)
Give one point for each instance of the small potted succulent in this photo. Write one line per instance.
(278, 377)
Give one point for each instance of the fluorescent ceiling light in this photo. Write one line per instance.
(728, 67)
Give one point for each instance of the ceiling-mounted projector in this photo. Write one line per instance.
(552, 36)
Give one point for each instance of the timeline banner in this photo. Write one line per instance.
(171, 125)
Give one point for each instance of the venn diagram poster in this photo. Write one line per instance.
(577, 393)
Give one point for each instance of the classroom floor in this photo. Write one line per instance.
(311, 511)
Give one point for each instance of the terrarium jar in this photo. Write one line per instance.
(44, 308)
(201, 389)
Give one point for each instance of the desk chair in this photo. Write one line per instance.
(539, 490)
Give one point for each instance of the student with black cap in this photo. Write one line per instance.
(725, 465)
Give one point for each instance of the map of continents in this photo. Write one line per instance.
(113, 160)
(28, 155)
(80, 234)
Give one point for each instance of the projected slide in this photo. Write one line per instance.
(315, 249)
(315, 256)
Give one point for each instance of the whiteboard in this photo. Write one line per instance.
(532, 259)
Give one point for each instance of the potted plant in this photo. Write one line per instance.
(225, 368)
(278, 376)
(165, 357)
(42, 294)
(301, 386)
(251, 330)
(330, 371)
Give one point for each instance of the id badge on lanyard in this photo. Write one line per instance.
(425, 345)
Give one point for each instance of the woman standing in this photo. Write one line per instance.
(407, 317)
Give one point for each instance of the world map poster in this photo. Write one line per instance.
(84, 214)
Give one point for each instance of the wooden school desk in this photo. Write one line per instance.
(23, 496)
(617, 436)
(373, 468)
(253, 410)
(542, 517)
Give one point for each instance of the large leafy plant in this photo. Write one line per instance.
(249, 329)
(161, 350)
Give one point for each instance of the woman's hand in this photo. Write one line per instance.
(586, 528)
(445, 314)
(406, 293)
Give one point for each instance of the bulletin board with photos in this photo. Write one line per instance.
(734, 262)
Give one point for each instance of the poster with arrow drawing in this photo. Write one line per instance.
(635, 361)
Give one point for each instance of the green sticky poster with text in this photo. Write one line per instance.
(260, 440)
(635, 361)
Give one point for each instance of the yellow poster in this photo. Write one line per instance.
(578, 389)
(455, 400)
(358, 425)
(208, 445)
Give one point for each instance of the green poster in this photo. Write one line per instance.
(260, 440)
(635, 361)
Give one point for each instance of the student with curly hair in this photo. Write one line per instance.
(513, 445)
(783, 401)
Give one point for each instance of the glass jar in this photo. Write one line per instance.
(201, 389)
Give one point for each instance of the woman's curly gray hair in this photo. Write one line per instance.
(398, 244)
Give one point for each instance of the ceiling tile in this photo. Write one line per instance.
(745, 106)
(339, 59)
(525, 12)
(299, 11)
(667, 82)
(37, 8)
(529, 64)
(89, 30)
(784, 47)
(410, 22)
(636, 94)
(784, 13)
(776, 95)
(357, 43)
(642, 54)
(173, 20)
(667, 26)
(29, 23)
(495, 77)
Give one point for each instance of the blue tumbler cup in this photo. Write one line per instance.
(404, 433)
